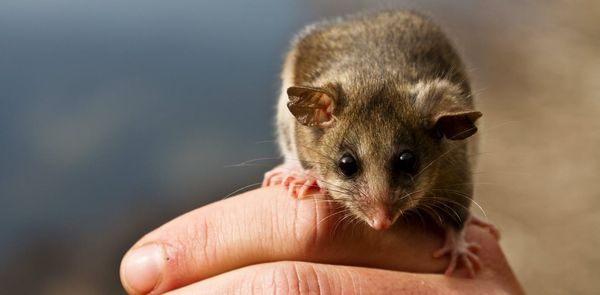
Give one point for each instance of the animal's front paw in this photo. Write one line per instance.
(297, 181)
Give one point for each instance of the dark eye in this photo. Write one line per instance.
(406, 162)
(348, 165)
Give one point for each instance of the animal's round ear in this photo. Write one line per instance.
(456, 123)
(312, 106)
(447, 109)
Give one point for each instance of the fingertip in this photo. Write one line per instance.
(142, 268)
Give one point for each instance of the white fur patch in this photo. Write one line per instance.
(423, 89)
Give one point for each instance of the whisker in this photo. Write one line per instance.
(435, 160)
(331, 215)
(461, 194)
(241, 189)
(265, 141)
(244, 163)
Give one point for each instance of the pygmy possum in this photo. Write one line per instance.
(376, 110)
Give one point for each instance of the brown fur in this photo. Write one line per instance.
(394, 75)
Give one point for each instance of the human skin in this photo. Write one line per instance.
(264, 241)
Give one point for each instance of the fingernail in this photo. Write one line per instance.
(143, 267)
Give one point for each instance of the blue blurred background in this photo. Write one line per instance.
(116, 116)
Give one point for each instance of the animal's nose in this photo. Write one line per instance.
(381, 219)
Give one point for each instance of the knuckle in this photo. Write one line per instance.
(199, 244)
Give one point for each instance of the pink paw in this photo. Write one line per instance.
(461, 251)
(297, 182)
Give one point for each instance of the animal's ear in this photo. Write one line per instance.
(312, 106)
(448, 109)
(456, 123)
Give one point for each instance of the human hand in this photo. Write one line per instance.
(263, 240)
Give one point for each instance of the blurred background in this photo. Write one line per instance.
(116, 116)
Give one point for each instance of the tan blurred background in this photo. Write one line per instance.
(115, 117)
(541, 154)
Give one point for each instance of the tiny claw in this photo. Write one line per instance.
(307, 185)
(287, 181)
(299, 185)
(302, 192)
(290, 189)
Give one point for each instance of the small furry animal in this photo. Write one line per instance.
(377, 111)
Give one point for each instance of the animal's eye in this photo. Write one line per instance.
(406, 162)
(348, 165)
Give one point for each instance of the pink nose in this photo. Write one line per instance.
(381, 220)
(381, 223)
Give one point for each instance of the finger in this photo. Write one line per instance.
(266, 225)
(312, 278)
(494, 264)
